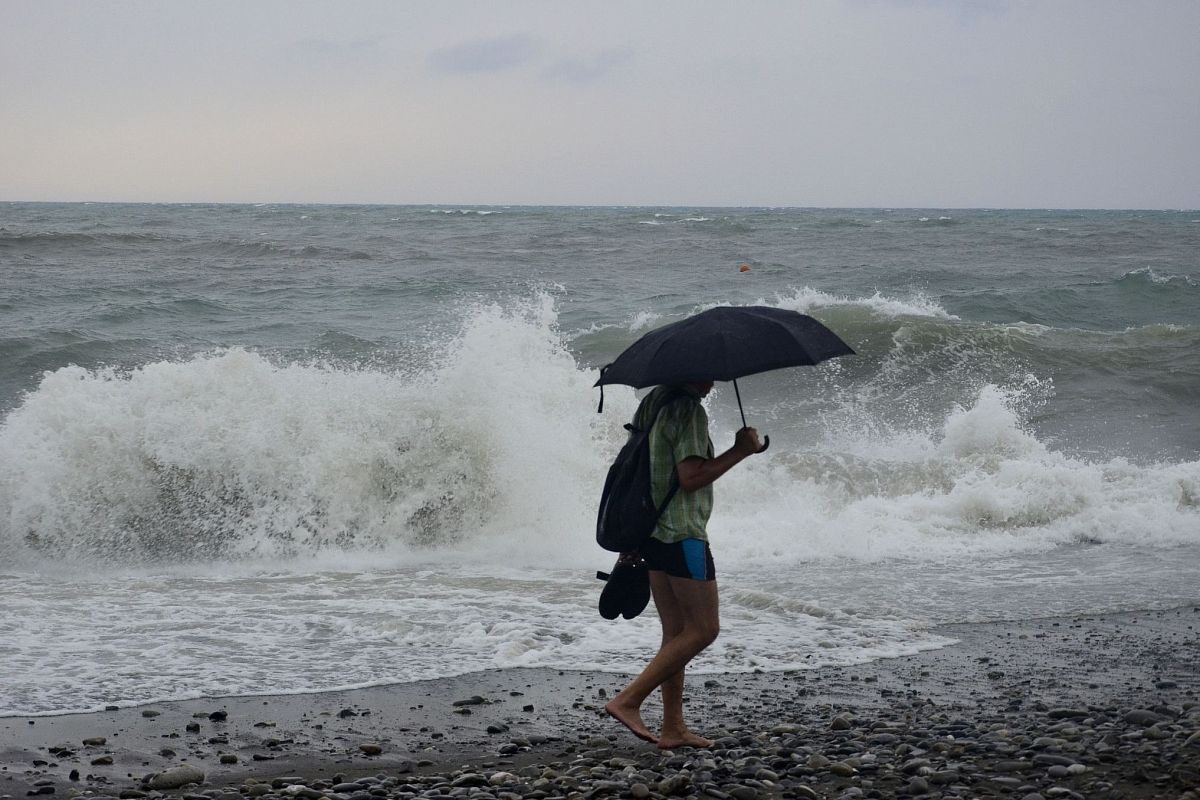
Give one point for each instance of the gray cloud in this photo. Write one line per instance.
(495, 54)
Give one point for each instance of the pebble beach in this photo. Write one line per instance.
(1101, 706)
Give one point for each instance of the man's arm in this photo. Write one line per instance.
(696, 473)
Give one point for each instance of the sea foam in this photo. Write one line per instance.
(497, 451)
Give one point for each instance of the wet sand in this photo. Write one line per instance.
(1093, 706)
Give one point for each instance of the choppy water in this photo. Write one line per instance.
(250, 449)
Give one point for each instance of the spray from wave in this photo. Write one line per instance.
(495, 451)
(228, 456)
(982, 484)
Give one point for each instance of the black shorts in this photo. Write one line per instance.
(690, 558)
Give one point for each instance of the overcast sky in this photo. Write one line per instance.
(857, 103)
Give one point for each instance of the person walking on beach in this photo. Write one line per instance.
(682, 577)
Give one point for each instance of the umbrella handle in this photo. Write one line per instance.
(766, 439)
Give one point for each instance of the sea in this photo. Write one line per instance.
(263, 449)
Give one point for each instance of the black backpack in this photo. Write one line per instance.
(627, 513)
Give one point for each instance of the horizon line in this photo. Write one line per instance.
(261, 203)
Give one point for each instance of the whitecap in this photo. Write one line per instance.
(806, 299)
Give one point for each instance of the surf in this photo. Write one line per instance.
(492, 448)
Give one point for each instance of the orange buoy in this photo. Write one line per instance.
(744, 268)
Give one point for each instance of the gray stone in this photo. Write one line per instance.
(606, 787)
(370, 749)
(95, 741)
(676, 784)
(639, 791)
(1062, 791)
(818, 761)
(840, 723)
(1044, 742)
(918, 785)
(176, 777)
(1142, 717)
(502, 779)
(1067, 713)
(1010, 784)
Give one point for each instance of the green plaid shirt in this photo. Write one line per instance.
(680, 432)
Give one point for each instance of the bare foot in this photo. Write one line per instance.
(630, 718)
(685, 739)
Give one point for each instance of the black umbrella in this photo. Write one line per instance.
(723, 344)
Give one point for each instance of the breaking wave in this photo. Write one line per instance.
(497, 449)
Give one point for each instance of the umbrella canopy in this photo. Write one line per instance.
(723, 344)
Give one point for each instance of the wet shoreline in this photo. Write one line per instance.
(1091, 706)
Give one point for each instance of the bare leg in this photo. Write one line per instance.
(619, 708)
(671, 615)
(675, 731)
(688, 610)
